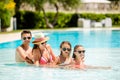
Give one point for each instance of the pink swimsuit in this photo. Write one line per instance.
(45, 61)
(81, 65)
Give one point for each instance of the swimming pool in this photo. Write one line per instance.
(102, 49)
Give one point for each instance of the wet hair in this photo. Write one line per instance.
(74, 56)
(26, 32)
(35, 46)
(65, 42)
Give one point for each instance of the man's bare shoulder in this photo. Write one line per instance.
(18, 48)
(30, 47)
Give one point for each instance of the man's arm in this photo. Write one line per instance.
(21, 52)
(23, 55)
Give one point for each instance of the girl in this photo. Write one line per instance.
(78, 57)
(64, 57)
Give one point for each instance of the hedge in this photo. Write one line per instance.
(35, 20)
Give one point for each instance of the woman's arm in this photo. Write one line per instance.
(51, 52)
(36, 57)
(56, 60)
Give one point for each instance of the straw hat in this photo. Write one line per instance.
(40, 38)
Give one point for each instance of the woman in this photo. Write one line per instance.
(42, 52)
(64, 57)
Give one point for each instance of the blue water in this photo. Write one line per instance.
(90, 39)
(102, 49)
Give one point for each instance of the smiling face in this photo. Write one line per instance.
(79, 52)
(65, 49)
(26, 37)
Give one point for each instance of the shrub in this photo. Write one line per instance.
(73, 21)
(35, 20)
(6, 12)
(5, 18)
(115, 18)
(30, 20)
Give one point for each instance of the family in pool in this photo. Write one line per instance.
(42, 54)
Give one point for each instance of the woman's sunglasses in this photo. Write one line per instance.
(24, 38)
(82, 51)
(44, 42)
(64, 49)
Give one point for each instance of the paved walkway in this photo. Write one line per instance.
(9, 37)
(13, 36)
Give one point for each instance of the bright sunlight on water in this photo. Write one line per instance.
(102, 49)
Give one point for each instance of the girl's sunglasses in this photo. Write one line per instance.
(64, 49)
(24, 38)
(82, 51)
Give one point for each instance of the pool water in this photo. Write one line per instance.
(102, 49)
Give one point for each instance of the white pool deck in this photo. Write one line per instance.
(6, 37)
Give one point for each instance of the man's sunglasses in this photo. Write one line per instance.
(82, 51)
(24, 38)
(64, 49)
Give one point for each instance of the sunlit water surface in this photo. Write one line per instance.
(102, 49)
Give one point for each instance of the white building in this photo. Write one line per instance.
(95, 5)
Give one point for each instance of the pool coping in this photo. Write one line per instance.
(17, 36)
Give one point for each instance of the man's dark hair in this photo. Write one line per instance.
(26, 31)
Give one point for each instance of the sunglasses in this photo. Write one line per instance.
(44, 42)
(64, 49)
(24, 38)
(82, 51)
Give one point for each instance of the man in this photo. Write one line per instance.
(24, 51)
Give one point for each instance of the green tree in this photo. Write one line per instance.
(6, 12)
(39, 6)
(115, 4)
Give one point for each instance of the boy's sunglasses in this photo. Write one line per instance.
(24, 38)
(64, 49)
(82, 51)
